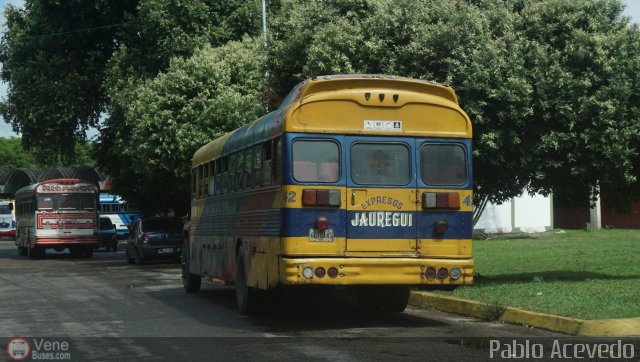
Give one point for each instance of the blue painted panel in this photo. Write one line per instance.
(297, 222)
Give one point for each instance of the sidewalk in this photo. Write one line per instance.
(573, 326)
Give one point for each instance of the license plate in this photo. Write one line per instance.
(165, 250)
(317, 235)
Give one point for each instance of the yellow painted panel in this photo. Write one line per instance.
(303, 246)
(374, 271)
(444, 248)
(381, 245)
(348, 117)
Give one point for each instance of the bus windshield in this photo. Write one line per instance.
(66, 202)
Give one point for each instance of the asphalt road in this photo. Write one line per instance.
(106, 309)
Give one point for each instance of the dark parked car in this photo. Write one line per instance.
(107, 234)
(155, 238)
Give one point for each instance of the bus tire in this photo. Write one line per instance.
(75, 252)
(88, 252)
(190, 282)
(247, 298)
(397, 299)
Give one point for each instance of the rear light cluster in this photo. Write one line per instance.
(440, 200)
(321, 197)
(319, 272)
(145, 238)
(443, 273)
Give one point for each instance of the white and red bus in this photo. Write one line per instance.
(58, 214)
(7, 219)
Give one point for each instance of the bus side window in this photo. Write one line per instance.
(200, 180)
(218, 173)
(233, 179)
(193, 183)
(257, 164)
(205, 180)
(211, 184)
(266, 163)
(248, 166)
(277, 164)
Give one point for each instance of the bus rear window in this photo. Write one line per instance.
(316, 161)
(380, 164)
(443, 164)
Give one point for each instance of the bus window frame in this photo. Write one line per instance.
(316, 139)
(465, 150)
(410, 180)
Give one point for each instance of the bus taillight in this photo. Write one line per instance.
(440, 200)
(322, 223)
(312, 197)
(145, 238)
(443, 273)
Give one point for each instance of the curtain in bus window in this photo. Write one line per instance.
(443, 164)
(380, 164)
(316, 161)
(45, 202)
(67, 202)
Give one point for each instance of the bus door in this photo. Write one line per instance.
(381, 195)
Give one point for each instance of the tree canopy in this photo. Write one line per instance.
(552, 86)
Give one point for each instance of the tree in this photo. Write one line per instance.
(54, 56)
(584, 62)
(213, 92)
(550, 86)
(160, 32)
(14, 156)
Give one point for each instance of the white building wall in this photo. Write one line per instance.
(496, 219)
(529, 214)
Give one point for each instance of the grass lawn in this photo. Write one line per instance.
(588, 275)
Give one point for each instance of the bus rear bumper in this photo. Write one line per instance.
(375, 271)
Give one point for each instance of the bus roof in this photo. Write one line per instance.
(347, 104)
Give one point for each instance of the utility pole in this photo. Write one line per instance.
(264, 40)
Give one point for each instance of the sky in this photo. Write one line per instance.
(632, 10)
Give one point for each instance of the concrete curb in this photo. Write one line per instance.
(573, 326)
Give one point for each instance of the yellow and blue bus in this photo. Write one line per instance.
(355, 180)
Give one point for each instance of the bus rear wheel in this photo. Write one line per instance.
(383, 299)
(190, 282)
(247, 298)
